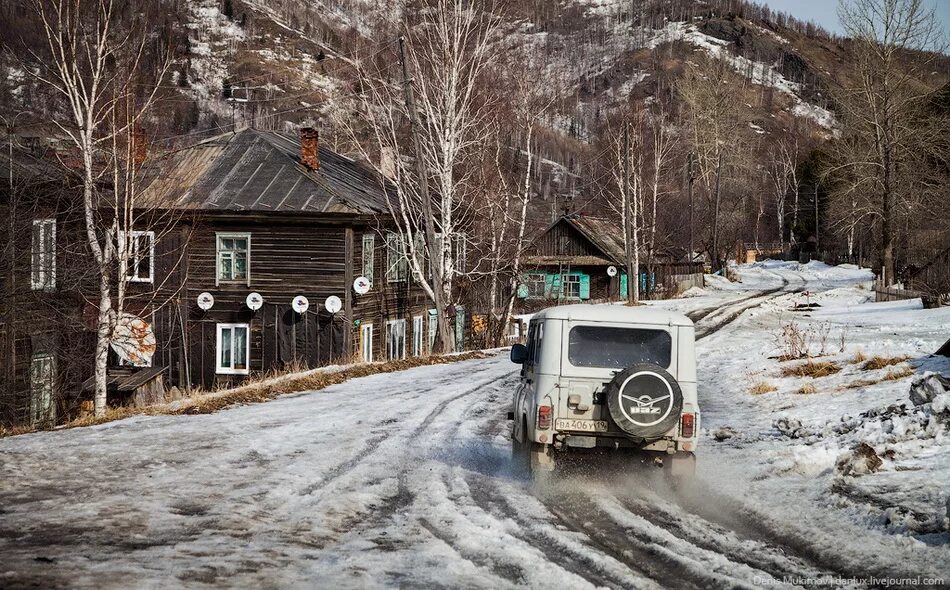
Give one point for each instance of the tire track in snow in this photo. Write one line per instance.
(761, 552)
(555, 540)
(378, 439)
(381, 514)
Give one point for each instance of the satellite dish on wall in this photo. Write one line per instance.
(254, 301)
(300, 304)
(611, 271)
(333, 304)
(361, 285)
(205, 301)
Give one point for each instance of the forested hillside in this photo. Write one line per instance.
(751, 97)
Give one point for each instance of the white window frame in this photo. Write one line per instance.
(397, 265)
(461, 252)
(218, 236)
(390, 353)
(222, 370)
(534, 279)
(417, 335)
(369, 256)
(43, 263)
(433, 323)
(564, 282)
(38, 413)
(133, 276)
(366, 342)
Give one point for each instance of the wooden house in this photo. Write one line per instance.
(42, 329)
(228, 237)
(276, 217)
(581, 258)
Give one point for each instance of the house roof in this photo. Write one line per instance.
(28, 166)
(606, 234)
(260, 171)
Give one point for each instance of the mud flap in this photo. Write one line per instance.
(680, 465)
(542, 458)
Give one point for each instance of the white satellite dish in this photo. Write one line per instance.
(361, 285)
(300, 304)
(205, 301)
(611, 271)
(254, 301)
(333, 304)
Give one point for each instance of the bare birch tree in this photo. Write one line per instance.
(783, 178)
(884, 107)
(92, 65)
(445, 57)
(625, 196)
(508, 214)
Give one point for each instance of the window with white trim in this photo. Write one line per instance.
(234, 349)
(417, 327)
(397, 266)
(571, 286)
(42, 376)
(419, 246)
(369, 256)
(536, 284)
(366, 342)
(461, 252)
(43, 266)
(395, 339)
(433, 328)
(233, 258)
(141, 256)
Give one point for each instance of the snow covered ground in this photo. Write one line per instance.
(404, 480)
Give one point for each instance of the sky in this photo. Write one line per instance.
(825, 12)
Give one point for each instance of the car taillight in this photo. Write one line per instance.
(687, 425)
(544, 417)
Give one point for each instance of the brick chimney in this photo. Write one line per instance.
(310, 148)
(139, 146)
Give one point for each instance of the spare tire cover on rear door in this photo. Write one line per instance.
(644, 400)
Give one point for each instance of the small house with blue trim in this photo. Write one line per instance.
(568, 262)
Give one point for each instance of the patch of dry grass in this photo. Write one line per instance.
(15, 430)
(260, 389)
(862, 383)
(811, 369)
(879, 362)
(900, 373)
(807, 389)
(858, 358)
(762, 387)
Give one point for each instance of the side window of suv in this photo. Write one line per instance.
(535, 331)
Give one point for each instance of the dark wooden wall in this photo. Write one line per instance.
(563, 240)
(386, 300)
(288, 257)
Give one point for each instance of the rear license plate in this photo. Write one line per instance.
(580, 425)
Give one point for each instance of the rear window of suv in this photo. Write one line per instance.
(617, 348)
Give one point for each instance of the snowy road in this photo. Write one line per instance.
(404, 480)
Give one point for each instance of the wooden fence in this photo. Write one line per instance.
(896, 293)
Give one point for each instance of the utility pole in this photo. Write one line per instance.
(443, 342)
(816, 217)
(689, 184)
(716, 260)
(632, 278)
